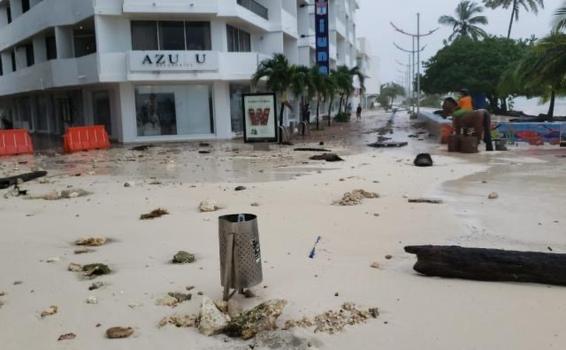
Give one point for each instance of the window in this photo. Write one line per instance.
(1, 67)
(144, 35)
(198, 36)
(171, 35)
(85, 39)
(157, 35)
(9, 14)
(51, 48)
(25, 6)
(238, 40)
(13, 59)
(30, 60)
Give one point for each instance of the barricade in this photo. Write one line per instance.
(86, 138)
(15, 142)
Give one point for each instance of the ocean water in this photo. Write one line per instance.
(533, 107)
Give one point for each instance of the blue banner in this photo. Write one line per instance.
(322, 36)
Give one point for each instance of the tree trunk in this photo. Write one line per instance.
(318, 112)
(512, 19)
(15, 180)
(490, 264)
(330, 110)
(503, 105)
(550, 114)
(340, 104)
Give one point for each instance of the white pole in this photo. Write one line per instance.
(418, 64)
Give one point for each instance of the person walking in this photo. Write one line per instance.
(359, 112)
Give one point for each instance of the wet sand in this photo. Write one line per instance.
(295, 199)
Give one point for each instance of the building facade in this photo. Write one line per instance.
(151, 70)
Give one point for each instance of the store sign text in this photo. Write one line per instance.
(144, 61)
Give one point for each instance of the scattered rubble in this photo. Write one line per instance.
(183, 257)
(180, 321)
(91, 242)
(96, 285)
(53, 260)
(95, 270)
(67, 336)
(355, 197)
(92, 300)
(332, 322)
(374, 265)
(83, 250)
(73, 267)
(157, 213)
(65, 194)
(261, 318)
(119, 332)
(211, 320)
(493, 195)
(208, 206)
(240, 188)
(426, 200)
(329, 157)
(50, 311)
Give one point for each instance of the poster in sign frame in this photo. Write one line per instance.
(260, 117)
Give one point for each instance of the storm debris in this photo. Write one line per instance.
(208, 206)
(50, 311)
(355, 197)
(65, 194)
(259, 319)
(329, 157)
(67, 336)
(183, 257)
(119, 332)
(426, 200)
(157, 213)
(91, 242)
(332, 322)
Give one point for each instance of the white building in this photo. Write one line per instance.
(369, 64)
(150, 70)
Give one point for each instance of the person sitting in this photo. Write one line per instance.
(465, 104)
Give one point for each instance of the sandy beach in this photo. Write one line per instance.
(293, 198)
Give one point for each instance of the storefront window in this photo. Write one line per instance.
(174, 110)
(170, 35)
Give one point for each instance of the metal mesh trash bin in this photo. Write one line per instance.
(240, 253)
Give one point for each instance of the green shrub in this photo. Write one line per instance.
(342, 117)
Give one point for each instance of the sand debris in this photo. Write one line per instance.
(74, 267)
(96, 285)
(50, 311)
(374, 265)
(90, 270)
(211, 320)
(180, 321)
(92, 300)
(208, 206)
(183, 257)
(173, 299)
(355, 197)
(91, 242)
(426, 200)
(119, 332)
(83, 250)
(332, 322)
(53, 259)
(154, 214)
(329, 157)
(67, 336)
(493, 195)
(65, 194)
(261, 318)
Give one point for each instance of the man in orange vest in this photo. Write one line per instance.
(465, 104)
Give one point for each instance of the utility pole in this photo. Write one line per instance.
(412, 54)
(416, 37)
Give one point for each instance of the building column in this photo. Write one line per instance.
(39, 49)
(64, 42)
(222, 115)
(6, 62)
(219, 35)
(16, 8)
(128, 131)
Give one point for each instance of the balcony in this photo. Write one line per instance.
(255, 7)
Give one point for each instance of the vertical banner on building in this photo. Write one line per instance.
(260, 117)
(322, 36)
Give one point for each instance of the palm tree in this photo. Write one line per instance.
(542, 71)
(329, 90)
(300, 83)
(344, 79)
(318, 81)
(560, 21)
(467, 21)
(528, 5)
(278, 73)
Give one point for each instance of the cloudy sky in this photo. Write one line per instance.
(375, 15)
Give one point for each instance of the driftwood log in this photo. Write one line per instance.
(490, 264)
(14, 180)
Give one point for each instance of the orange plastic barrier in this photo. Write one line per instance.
(14, 142)
(85, 138)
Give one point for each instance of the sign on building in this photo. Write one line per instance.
(260, 117)
(173, 61)
(322, 36)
